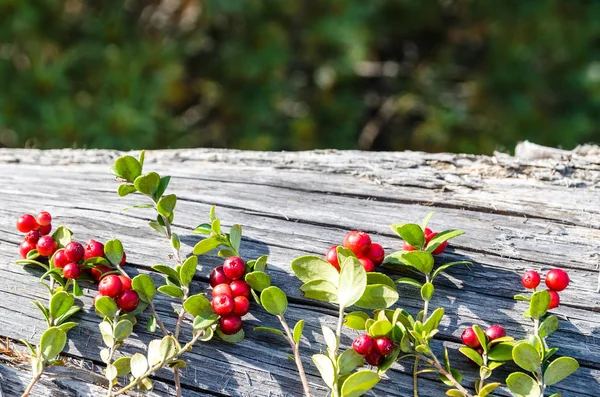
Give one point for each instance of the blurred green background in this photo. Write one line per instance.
(435, 75)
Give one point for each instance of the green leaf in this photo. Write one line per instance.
(167, 348)
(258, 280)
(204, 320)
(359, 383)
(235, 338)
(522, 385)
(77, 289)
(472, 354)
(216, 226)
(442, 237)
(123, 329)
(440, 269)
(139, 365)
(123, 365)
(60, 303)
(204, 228)
(125, 189)
(320, 290)
(356, 320)
(548, 326)
(411, 233)
(261, 263)
(434, 320)
(29, 346)
(538, 306)
(380, 328)
(206, 245)
(427, 291)
(197, 304)
(162, 186)
(171, 290)
(154, 354)
(426, 220)
(128, 168)
(53, 341)
(348, 361)
(148, 183)
(330, 340)
(409, 281)
(560, 369)
(158, 227)
(106, 306)
(113, 250)
(31, 262)
(455, 373)
(377, 296)
(166, 270)
(144, 286)
(326, 369)
(235, 236)
(487, 389)
(380, 278)
(166, 205)
(298, 328)
(188, 270)
(422, 261)
(501, 352)
(111, 372)
(481, 337)
(175, 242)
(343, 253)
(455, 393)
(352, 282)
(526, 356)
(274, 300)
(62, 236)
(271, 330)
(151, 324)
(310, 268)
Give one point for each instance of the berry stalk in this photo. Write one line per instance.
(296, 351)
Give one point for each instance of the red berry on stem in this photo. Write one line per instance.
(408, 247)
(123, 260)
(358, 242)
(554, 299)
(74, 251)
(384, 345)
(99, 271)
(217, 276)
(557, 280)
(93, 249)
(71, 271)
(469, 338)
(43, 218)
(125, 283)
(222, 289)
(331, 257)
(428, 232)
(24, 248)
(440, 247)
(33, 236)
(241, 306)
(240, 288)
(234, 267)
(26, 223)
(367, 264)
(531, 279)
(60, 258)
(46, 246)
(230, 324)
(110, 286)
(128, 300)
(363, 344)
(45, 230)
(223, 304)
(494, 332)
(375, 359)
(376, 254)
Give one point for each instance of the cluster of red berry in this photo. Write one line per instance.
(556, 280)
(95, 249)
(469, 337)
(36, 231)
(429, 234)
(119, 289)
(373, 349)
(369, 254)
(230, 294)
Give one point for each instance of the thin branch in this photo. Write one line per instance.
(296, 351)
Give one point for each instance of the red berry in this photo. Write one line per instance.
(123, 260)
(375, 359)
(125, 283)
(234, 268)
(494, 332)
(557, 280)
(358, 242)
(46, 246)
(469, 338)
(428, 232)
(376, 254)
(98, 296)
(33, 236)
(240, 288)
(110, 286)
(71, 270)
(440, 247)
(531, 279)
(408, 247)
(24, 248)
(128, 300)
(384, 345)
(331, 257)
(363, 344)
(217, 276)
(60, 258)
(554, 299)
(26, 223)
(367, 264)
(93, 249)
(223, 304)
(241, 306)
(99, 271)
(45, 230)
(222, 289)
(74, 251)
(43, 218)
(231, 324)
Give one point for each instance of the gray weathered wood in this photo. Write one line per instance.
(518, 214)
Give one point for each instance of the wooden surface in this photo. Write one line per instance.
(518, 214)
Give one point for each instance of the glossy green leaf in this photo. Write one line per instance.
(348, 361)
(62, 236)
(411, 233)
(380, 278)
(359, 383)
(138, 364)
(113, 250)
(427, 291)
(434, 320)
(330, 340)
(472, 354)
(111, 372)
(426, 220)
(356, 320)
(380, 328)
(298, 328)
(487, 389)
(123, 329)
(548, 326)
(235, 236)
(128, 168)
(162, 186)
(204, 228)
(258, 280)
(481, 336)
(310, 268)
(274, 300)
(60, 303)
(151, 324)
(124, 190)
(147, 183)
(526, 356)
(455, 393)
(422, 261)
(352, 282)
(144, 286)
(522, 385)
(106, 306)
(560, 369)
(442, 237)
(409, 281)
(188, 270)
(326, 369)
(261, 263)
(269, 329)
(377, 296)
(501, 352)
(166, 270)
(166, 205)
(197, 305)
(235, 338)
(538, 306)
(206, 245)
(123, 365)
(204, 320)
(171, 290)
(67, 326)
(52, 342)
(158, 227)
(320, 290)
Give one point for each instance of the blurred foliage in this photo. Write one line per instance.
(454, 75)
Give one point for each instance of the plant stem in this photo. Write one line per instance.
(338, 331)
(416, 377)
(296, 350)
(435, 363)
(31, 384)
(177, 381)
